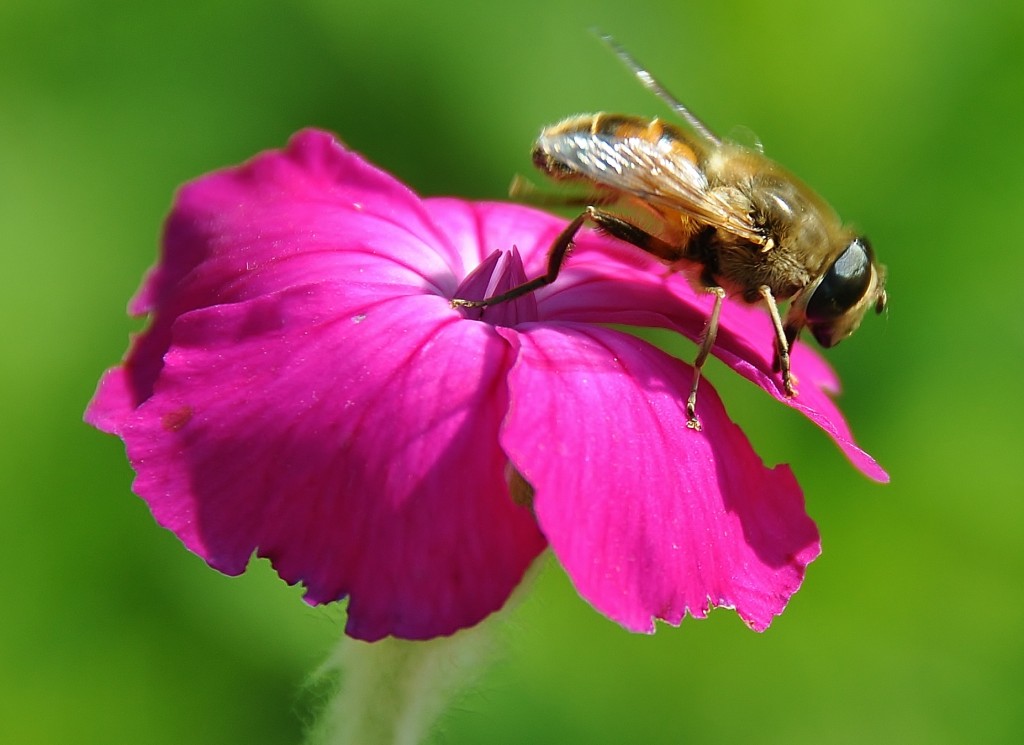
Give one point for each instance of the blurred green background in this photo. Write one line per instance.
(906, 115)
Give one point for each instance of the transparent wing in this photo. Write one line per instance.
(655, 172)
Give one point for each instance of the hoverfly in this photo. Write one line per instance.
(736, 223)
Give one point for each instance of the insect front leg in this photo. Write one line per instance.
(782, 340)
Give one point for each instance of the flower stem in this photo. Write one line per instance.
(391, 692)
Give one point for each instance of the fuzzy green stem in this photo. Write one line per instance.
(391, 692)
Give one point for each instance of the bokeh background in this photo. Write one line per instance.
(906, 114)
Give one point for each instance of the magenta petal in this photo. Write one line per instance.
(649, 519)
(352, 440)
(484, 227)
(746, 348)
(279, 220)
(607, 281)
(310, 212)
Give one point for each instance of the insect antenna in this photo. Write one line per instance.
(651, 83)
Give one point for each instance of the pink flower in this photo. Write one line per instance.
(305, 391)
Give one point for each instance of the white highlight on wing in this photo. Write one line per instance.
(649, 171)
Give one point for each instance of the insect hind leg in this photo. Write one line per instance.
(526, 191)
(604, 222)
(626, 231)
(556, 256)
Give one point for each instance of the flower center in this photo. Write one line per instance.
(497, 274)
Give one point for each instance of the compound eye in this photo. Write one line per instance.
(844, 284)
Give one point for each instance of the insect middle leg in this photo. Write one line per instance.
(668, 253)
(707, 341)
